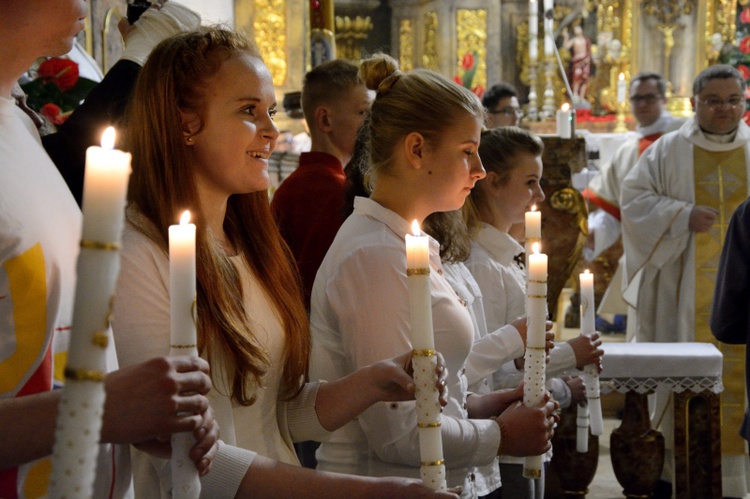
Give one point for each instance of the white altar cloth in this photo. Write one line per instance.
(644, 367)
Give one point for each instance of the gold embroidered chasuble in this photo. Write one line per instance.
(720, 182)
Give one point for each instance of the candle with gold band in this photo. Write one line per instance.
(432, 470)
(591, 371)
(183, 339)
(533, 231)
(79, 417)
(534, 376)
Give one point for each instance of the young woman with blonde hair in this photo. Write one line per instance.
(424, 131)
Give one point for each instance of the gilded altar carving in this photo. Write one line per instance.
(430, 55)
(471, 35)
(405, 45)
(350, 33)
(719, 29)
(269, 27)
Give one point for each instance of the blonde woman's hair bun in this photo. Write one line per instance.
(380, 72)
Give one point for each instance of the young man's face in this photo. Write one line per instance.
(346, 115)
(507, 112)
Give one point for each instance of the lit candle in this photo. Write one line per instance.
(432, 469)
(183, 340)
(591, 371)
(182, 287)
(533, 231)
(622, 89)
(533, 31)
(535, 356)
(82, 402)
(564, 128)
(533, 224)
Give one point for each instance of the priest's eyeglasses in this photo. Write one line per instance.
(716, 103)
(507, 111)
(648, 99)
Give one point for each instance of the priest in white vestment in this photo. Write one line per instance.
(676, 204)
(648, 104)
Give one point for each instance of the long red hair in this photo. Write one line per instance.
(163, 185)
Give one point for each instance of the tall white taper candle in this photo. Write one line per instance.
(591, 371)
(81, 407)
(183, 341)
(432, 470)
(535, 376)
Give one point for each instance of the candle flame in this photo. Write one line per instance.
(586, 271)
(536, 248)
(622, 77)
(565, 107)
(185, 218)
(108, 138)
(415, 228)
(533, 207)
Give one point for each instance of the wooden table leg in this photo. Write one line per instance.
(697, 445)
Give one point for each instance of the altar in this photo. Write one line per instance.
(692, 373)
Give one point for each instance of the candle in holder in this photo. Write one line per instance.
(432, 469)
(183, 341)
(622, 89)
(564, 125)
(591, 371)
(79, 417)
(535, 364)
(533, 32)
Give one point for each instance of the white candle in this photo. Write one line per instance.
(432, 469)
(586, 280)
(564, 127)
(183, 340)
(535, 356)
(82, 403)
(548, 28)
(533, 231)
(533, 225)
(418, 269)
(591, 371)
(182, 287)
(533, 31)
(622, 89)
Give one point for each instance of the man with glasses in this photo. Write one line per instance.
(676, 204)
(647, 103)
(501, 102)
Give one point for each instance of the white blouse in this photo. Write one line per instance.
(360, 315)
(268, 427)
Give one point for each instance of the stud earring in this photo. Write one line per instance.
(189, 141)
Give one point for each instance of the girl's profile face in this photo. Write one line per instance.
(238, 134)
(455, 164)
(522, 190)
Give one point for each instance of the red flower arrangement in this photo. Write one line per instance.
(57, 88)
(745, 15)
(469, 65)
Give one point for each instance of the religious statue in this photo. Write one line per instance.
(579, 68)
